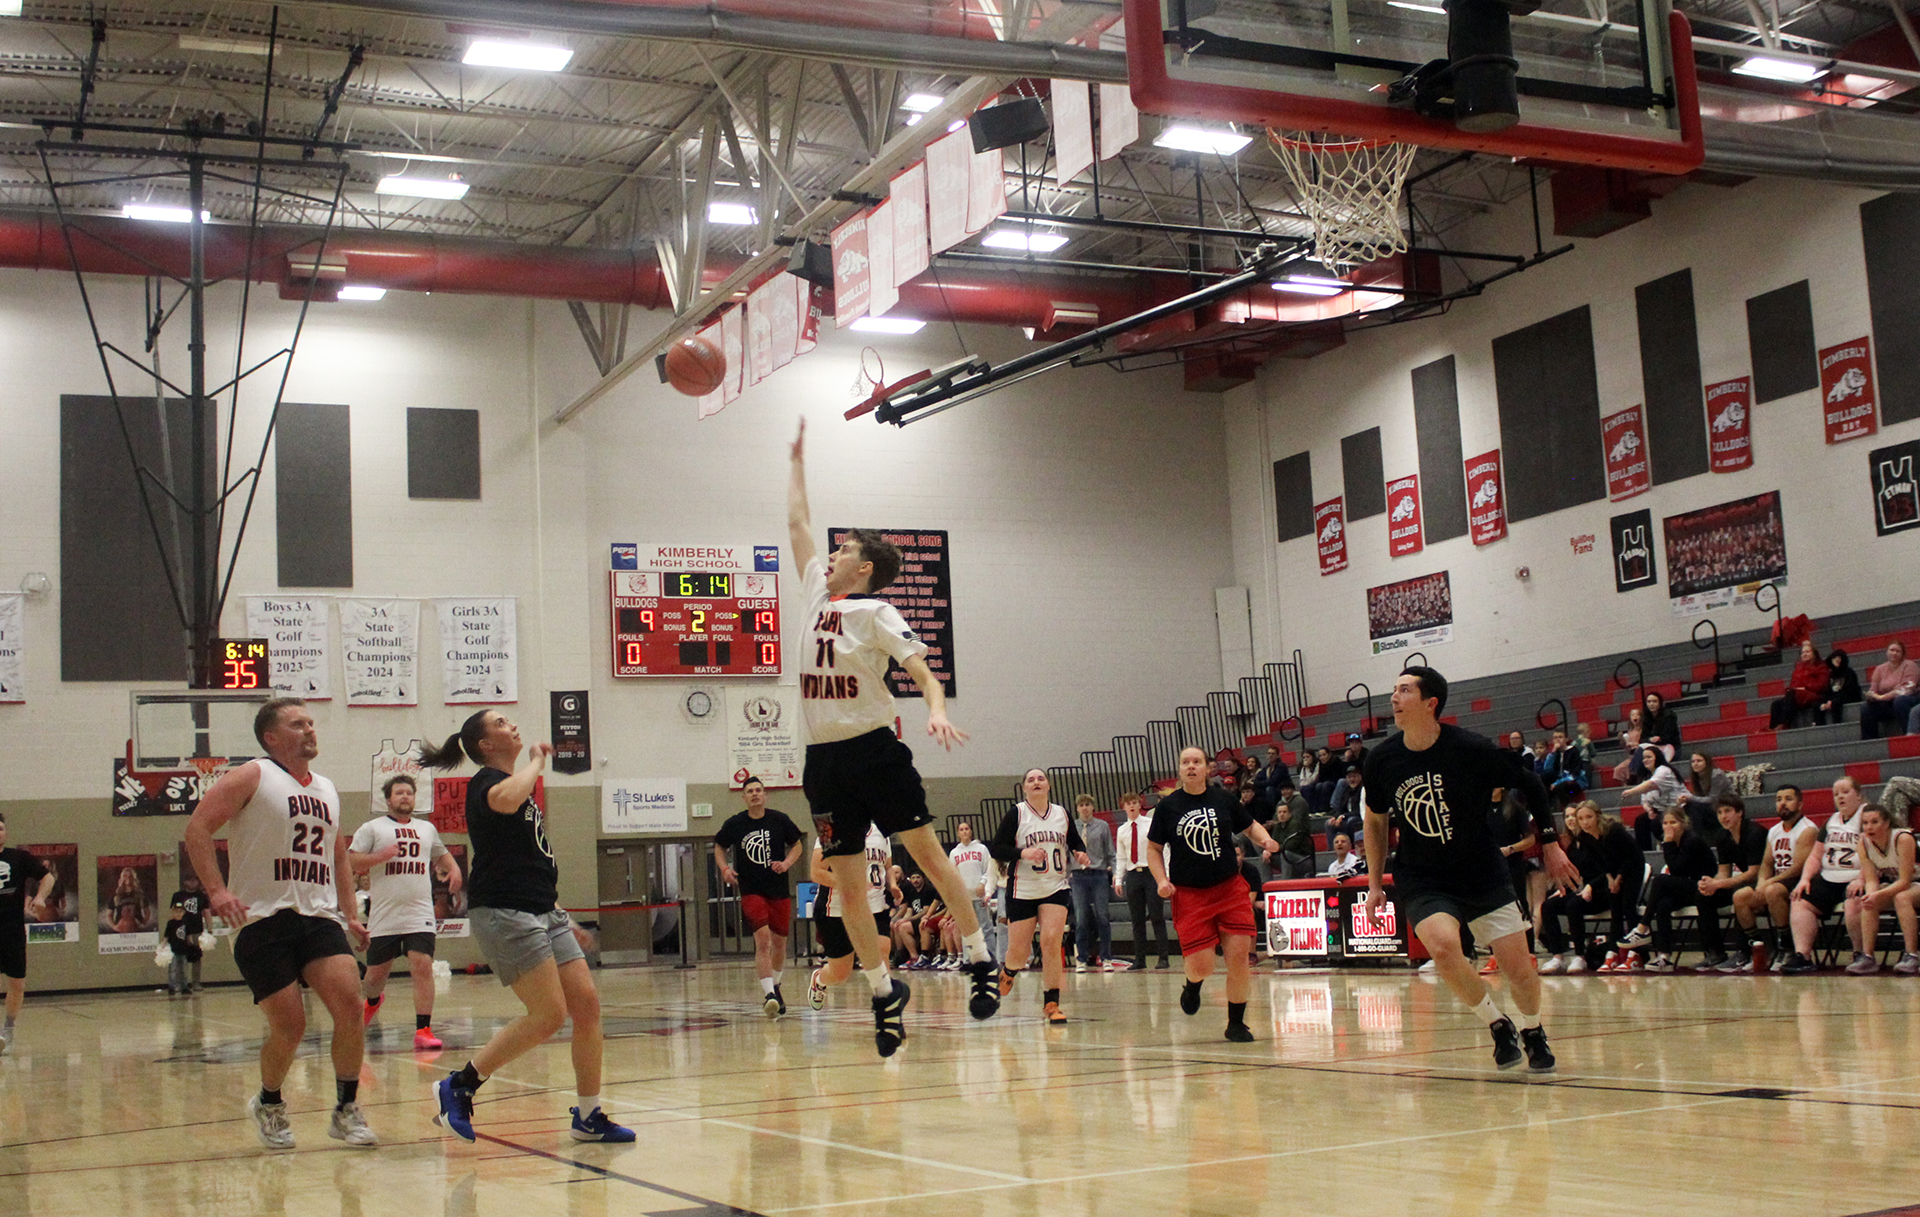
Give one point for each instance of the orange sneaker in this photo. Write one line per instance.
(424, 1040)
(1054, 1014)
(1006, 982)
(1490, 967)
(370, 1007)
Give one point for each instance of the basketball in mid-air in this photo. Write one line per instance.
(695, 366)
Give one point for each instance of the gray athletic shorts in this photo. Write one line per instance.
(515, 943)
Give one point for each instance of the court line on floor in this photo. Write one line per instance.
(608, 1173)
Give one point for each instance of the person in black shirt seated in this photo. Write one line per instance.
(1437, 785)
(513, 899)
(1191, 853)
(1659, 725)
(765, 845)
(1567, 947)
(1742, 846)
(1689, 860)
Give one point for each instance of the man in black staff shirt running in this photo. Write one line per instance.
(1435, 783)
(765, 845)
(1191, 853)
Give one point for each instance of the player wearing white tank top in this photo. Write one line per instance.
(1034, 840)
(857, 774)
(400, 857)
(291, 888)
(831, 924)
(1831, 876)
(1886, 874)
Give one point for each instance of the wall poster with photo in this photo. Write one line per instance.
(129, 891)
(61, 922)
(1411, 613)
(1721, 555)
(450, 907)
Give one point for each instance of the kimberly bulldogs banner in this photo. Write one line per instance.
(1411, 613)
(478, 642)
(1633, 561)
(295, 628)
(1896, 487)
(1330, 534)
(1625, 439)
(1846, 390)
(1486, 506)
(13, 647)
(1721, 555)
(62, 923)
(1403, 516)
(1730, 424)
(380, 651)
(129, 891)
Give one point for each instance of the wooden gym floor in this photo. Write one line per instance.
(1367, 1093)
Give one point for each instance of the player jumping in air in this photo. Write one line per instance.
(1436, 784)
(857, 774)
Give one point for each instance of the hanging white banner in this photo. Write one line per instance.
(949, 159)
(380, 651)
(882, 293)
(909, 210)
(295, 628)
(13, 647)
(1072, 129)
(479, 642)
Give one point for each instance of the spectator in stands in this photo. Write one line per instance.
(1805, 688)
(1661, 791)
(1789, 842)
(1349, 821)
(917, 899)
(1257, 807)
(1356, 754)
(1567, 944)
(1889, 695)
(1625, 864)
(1689, 859)
(1630, 770)
(1347, 795)
(1090, 874)
(1831, 875)
(1742, 848)
(1518, 743)
(1583, 741)
(1271, 776)
(1563, 770)
(1289, 828)
(1843, 689)
(1346, 864)
(1327, 777)
(1886, 874)
(1226, 768)
(1307, 776)
(1706, 786)
(1659, 725)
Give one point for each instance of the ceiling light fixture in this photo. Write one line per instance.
(449, 187)
(1310, 278)
(1184, 138)
(730, 213)
(1044, 242)
(191, 42)
(165, 215)
(526, 56)
(1792, 71)
(920, 103)
(352, 292)
(1411, 6)
(888, 325)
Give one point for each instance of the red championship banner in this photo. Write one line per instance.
(1330, 534)
(852, 283)
(1730, 424)
(1403, 516)
(1846, 390)
(1486, 505)
(1625, 439)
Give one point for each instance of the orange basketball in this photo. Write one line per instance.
(695, 366)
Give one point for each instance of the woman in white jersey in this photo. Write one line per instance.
(834, 943)
(1034, 841)
(1832, 874)
(1886, 874)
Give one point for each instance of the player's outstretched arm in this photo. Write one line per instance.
(943, 731)
(799, 516)
(507, 797)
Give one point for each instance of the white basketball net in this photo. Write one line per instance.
(1350, 189)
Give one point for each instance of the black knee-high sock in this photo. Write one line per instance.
(345, 1090)
(467, 1077)
(1053, 995)
(1236, 1014)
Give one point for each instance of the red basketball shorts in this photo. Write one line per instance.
(1202, 916)
(776, 915)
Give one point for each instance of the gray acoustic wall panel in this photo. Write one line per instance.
(117, 617)
(1443, 473)
(1670, 376)
(1780, 343)
(443, 453)
(1293, 496)
(313, 470)
(1362, 481)
(1549, 399)
(1890, 231)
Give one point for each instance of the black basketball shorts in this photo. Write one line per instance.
(865, 781)
(274, 951)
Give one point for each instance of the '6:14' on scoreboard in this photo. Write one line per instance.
(695, 623)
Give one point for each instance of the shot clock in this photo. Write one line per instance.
(703, 611)
(240, 663)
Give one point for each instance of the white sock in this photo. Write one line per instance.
(766, 985)
(974, 947)
(776, 977)
(589, 1103)
(1487, 1010)
(1528, 1022)
(877, 977)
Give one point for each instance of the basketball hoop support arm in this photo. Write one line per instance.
(927, 398)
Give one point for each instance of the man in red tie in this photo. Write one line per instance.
(1132, 879)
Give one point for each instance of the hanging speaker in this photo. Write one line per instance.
(812, 261)
(1007, 124)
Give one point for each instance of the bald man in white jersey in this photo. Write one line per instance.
(858, 775)
(291, 891)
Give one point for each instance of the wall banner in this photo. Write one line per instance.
(1330, 534)
(572, 731)
(1403, 516)
(1633, 561)
(1719, 556)
(1730, 424)
(391, 762)
(62, 922)
(1846, 390)
(380, 651)
(13, 647)
(450, 907)
(629, 805)
(763, 735)
(1624, 436)
(129, 891)
(851, 282)
(479, 640)
(1410, 614)
(1895, 476)
(1486, 505)
(295, 628)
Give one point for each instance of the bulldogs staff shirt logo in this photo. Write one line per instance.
(758, 847)
(1423, 805)
(1200, 829)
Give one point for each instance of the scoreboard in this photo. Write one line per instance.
(695, 610)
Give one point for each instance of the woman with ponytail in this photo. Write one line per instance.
(527, 939)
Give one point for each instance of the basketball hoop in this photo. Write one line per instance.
(207, 766)
(1350, 190)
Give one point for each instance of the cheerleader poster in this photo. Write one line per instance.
(129, 895)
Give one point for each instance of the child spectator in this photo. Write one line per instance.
(186, 951)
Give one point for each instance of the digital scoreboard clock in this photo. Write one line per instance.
(700, 611)
(239, 663)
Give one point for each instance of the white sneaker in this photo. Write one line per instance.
(816, 992)
(1577, 965)
(6, 1038)
(270, 1122)
(1554, 966)
(350, 1126)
